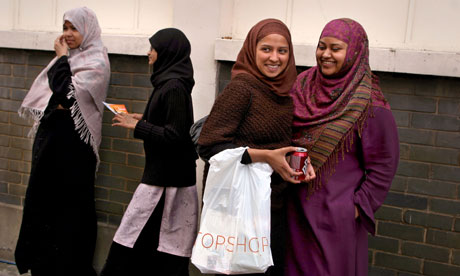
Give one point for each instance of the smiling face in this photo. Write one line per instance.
(330, 55)
(72, 36)
(153, 56)
(272, 55)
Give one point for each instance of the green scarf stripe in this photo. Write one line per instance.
(323, 152)
(319, 154)
(329, 140)
(359, 100)
(357, 105)
(360, 92)
(327, 143)
(349, 119)
(339, 128)
(365, 83)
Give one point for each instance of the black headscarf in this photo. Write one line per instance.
(173, 61)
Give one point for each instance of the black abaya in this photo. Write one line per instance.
(58, 231)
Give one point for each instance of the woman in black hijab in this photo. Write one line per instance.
(159, 227)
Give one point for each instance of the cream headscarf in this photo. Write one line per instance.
(90, 78)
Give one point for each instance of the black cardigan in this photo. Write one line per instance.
(60, 79)
(169, 152)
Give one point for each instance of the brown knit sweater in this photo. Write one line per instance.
(266, 124)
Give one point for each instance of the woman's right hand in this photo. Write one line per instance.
(60, 46)
(277, 160)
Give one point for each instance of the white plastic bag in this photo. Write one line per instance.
(234, 236)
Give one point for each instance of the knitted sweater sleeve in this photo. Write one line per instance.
(175, 130)
(227, 113)
(59, 79)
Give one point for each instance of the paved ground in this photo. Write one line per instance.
(9, 270)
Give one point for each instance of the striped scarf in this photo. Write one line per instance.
(326, 110)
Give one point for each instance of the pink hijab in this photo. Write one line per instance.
(326, 109)
(90, 78)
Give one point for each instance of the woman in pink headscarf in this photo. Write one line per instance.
(342, 117)
(58, 231)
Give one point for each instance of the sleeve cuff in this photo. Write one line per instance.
(62, 59)
(142, 130)
(365, 212)
(59, 61)
(246, 158)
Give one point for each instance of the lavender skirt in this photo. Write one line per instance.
(178, 224)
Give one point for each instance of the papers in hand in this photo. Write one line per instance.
(116, 108)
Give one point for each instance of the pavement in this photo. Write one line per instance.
(9, 269)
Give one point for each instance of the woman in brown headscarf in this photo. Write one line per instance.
(255, 110)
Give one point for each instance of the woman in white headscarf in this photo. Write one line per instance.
(58, 231)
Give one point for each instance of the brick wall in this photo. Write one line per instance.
(122, 156)
(418, 227)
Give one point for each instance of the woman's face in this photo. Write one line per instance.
(72, 37)
(153, 55)
(330, 55)
(272, 55)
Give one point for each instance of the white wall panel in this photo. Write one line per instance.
(7, 14)
(405, 35)
(384, 21)
(226, 18)
(406, 24)
(247, 13)
(127, 17)
(65, 5)
(154, 15)
(436, 25)
(116, 16)
(36, 15)
(199, 20)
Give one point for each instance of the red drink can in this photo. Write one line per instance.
(299, 162)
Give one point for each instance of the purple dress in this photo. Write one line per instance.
(324, 236)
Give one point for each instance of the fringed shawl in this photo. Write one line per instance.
(90, 78)
(326, 110)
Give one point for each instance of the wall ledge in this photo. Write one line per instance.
(398, 60)
(116, 44)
